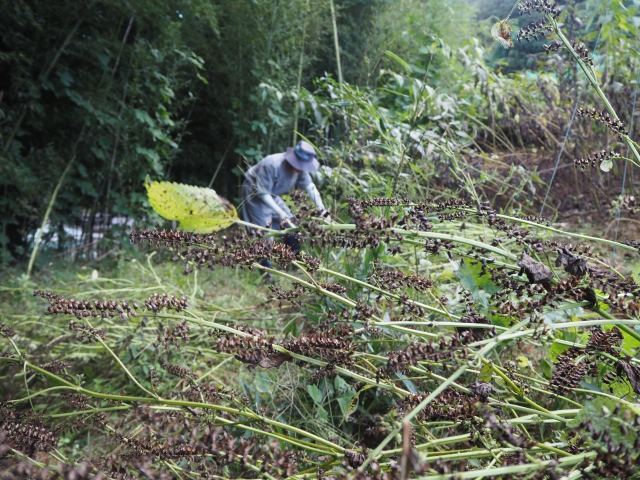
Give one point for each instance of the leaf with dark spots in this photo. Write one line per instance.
(633, 374)
(535, 271)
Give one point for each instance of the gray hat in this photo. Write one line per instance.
(302, 157)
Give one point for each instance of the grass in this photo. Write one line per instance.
(423, 339)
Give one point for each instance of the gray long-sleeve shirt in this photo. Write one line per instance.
(273, 176)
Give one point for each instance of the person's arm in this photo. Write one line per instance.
(314, 195)
(268, 200)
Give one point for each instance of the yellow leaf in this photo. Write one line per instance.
(198, 209)
(523, 361)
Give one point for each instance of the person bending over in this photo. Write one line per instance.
(276, 175)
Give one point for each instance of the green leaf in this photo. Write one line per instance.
(339, 384)
(262, 382)
(315, 394)
(523, 361)
(344, 402)
(480, 286)
(65, 77)
(323, 414)
(606, 165)
(144, 117)
(635, 274)
(546, 368)
(395, 57)
(154, 159)
(78, 100)
(99, 153)
(486, 373)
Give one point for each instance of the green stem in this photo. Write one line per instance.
(45, 219)
(180, 403)
(119, 362)
(384, 292)
(594, 84)
(413, 413)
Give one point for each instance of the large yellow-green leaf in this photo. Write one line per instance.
(199, 210)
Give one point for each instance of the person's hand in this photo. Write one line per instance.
(287, 222)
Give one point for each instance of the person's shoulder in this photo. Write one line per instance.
(273, 160)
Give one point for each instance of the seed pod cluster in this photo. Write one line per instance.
(354, 459)
(85, 332)
(629, 203)
(617, 448)
(86, 308)
(333, 345)
(604, 341)
(205, 450)
(292, 296)
(171, 238)
(6, 331)
(534, 31)
(25, 430)
(238, 251)
(231, 343)
(391, 279)
(594, 159)
(157, 302)
(180, 330)
(541, 6)
(615, 125)
(434, 246)
(401, 360)
(137, 447)
(334, 287)
(553, 46)
(56, 366)
(213, 394)
(504, 432)
(568, 373)
(582, 51)
(179, 371)
(572, 365)
(76, 400)
(380, 201)
(451, 405)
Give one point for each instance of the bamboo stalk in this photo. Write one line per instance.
(38, 239)
(297, 99)
(336, 43)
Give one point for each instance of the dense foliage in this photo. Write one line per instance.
(433, 327)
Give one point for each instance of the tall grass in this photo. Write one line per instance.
(411, 338)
